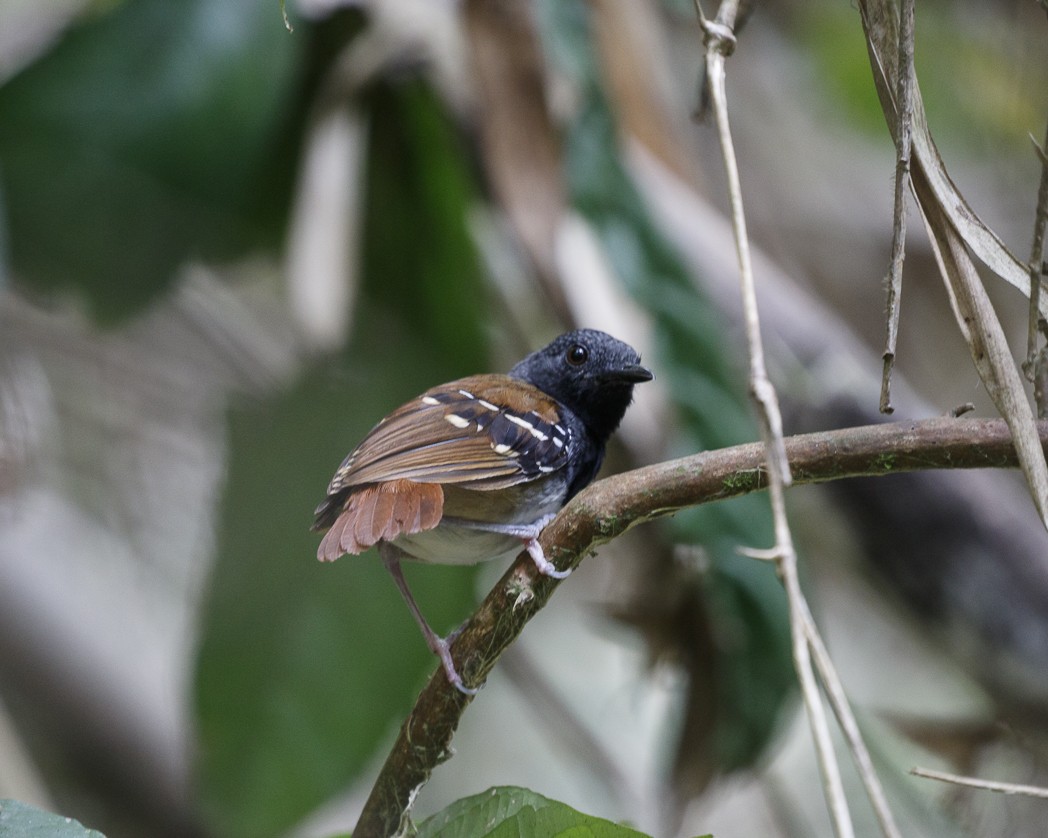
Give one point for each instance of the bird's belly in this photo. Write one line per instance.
(458, 545)
(525, 506)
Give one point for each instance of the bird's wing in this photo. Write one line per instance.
(490, 432)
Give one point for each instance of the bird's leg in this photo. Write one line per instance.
(440, 646)
(545, 566)
(527, 533)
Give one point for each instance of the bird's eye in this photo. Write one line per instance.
(577, 355)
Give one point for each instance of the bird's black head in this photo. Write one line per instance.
(589, 372)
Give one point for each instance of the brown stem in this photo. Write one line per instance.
(903, 148)
(607, 509)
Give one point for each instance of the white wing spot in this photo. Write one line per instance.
(488, 405)
(524, 423)
(456, 420)
(467, 394)
(432, 402)
(516, 420)
(546, 469)
(558, 442)
(501, 448)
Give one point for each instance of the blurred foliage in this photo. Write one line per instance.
(752, 670)
(306, 668)
(417, 248)
(838, 49)
(149, 134)
(959, 66)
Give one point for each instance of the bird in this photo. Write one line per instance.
(474, 469)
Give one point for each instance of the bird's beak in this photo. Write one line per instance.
(633, 374)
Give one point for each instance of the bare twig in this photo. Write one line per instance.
(976, 783)
(607, 509)
(838, 699)
(904, 98)
(1036, 366)
(720, 42)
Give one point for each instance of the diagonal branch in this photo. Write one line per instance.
(610, 507)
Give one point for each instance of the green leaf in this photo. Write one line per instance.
(20, 820)
(149, 134)
(509, 812)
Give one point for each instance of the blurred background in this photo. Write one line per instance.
(226, 250)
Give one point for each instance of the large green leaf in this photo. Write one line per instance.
(304, 669)
(20, 820)
(509, 812)
(148, 135)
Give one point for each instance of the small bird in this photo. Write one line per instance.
(474, 469)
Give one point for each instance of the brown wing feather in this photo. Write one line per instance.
(382, 512)
(383, 521)
(431, 507)
(362, 506)
(408, 512)
(331, 545)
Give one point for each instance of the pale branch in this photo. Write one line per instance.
(850, 728)
(719, 39)
(977, 783)
(607, 509)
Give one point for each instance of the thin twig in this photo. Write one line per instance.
(838, 699)
(720, 42)
(1036, 366)
(904, 98)
(827, 757)
(608, 508)
(976, 783)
